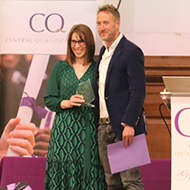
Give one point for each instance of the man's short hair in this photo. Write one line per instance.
(111, 9)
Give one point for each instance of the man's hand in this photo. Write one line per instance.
(42, 142)
(128, 135)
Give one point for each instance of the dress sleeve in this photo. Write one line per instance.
(52, 97)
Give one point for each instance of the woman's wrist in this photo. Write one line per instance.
(65, 104)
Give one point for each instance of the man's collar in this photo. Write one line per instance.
(115, 43)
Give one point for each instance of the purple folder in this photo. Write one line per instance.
(121, 158)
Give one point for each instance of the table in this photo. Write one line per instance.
(155, 176)
(29, 169)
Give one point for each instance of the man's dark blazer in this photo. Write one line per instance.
(124, 87)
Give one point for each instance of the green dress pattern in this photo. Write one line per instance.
(73, 159)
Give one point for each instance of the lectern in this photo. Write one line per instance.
(180, 125)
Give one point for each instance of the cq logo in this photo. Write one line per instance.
(46, 22)
(177, 122)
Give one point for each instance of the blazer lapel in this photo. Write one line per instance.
(115, 58)
(100, 55)
(98, 61)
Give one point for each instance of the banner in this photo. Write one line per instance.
(31, 31)
(180, 110)
(34, 27)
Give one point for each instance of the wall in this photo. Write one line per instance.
(159, 27)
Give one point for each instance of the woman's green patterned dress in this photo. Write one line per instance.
(73, 160)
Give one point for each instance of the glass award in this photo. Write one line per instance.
(85, 89)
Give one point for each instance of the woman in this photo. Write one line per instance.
(73, 161)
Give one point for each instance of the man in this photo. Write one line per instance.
(120, 94)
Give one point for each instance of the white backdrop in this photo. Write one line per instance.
(159, 27)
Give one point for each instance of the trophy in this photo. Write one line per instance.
(85, 89)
